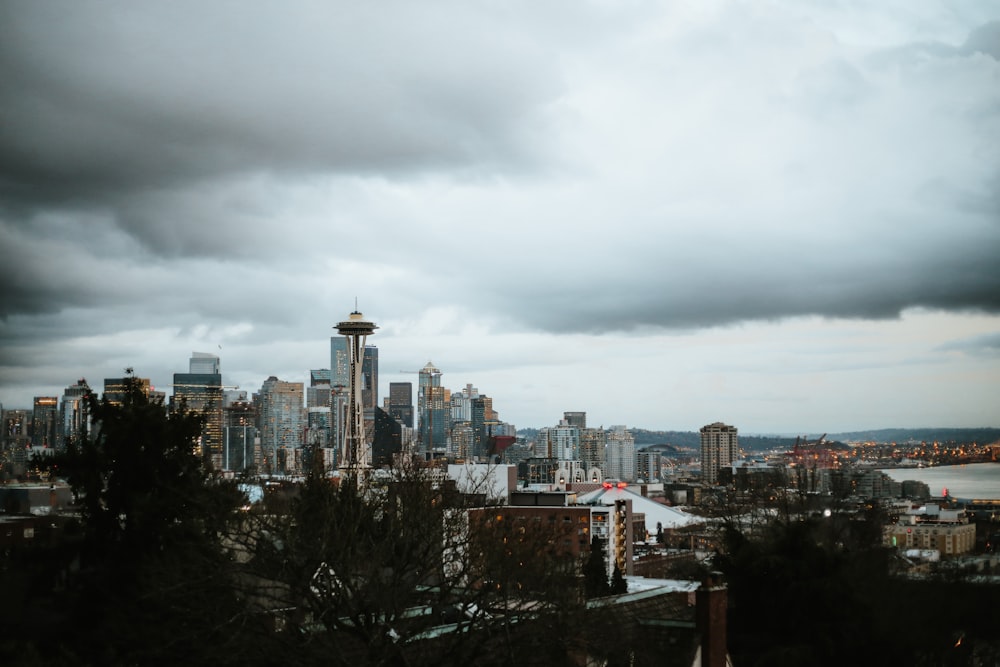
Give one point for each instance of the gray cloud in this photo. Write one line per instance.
(984, 39)
(182, 170)
(173, 93)
(987, 345)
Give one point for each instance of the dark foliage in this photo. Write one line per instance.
(595, 570)
(391, 569)
(145, 579)
(818, 591)
(618, 584)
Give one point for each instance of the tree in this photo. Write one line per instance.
(595, 570)
(618, 584)
(799, 596)
(396, 567)
(154, 579)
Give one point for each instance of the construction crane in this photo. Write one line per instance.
(813, 453)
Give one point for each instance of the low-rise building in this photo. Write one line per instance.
(930, 527)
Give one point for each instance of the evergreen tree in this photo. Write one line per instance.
(155, 583)
(595, 570)
(618, 583)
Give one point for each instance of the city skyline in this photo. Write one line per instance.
(780, 217)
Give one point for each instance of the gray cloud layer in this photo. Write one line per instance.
(571, 169)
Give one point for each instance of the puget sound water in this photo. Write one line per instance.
(980, 481)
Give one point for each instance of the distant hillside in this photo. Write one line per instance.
(687, 439)
(980, 435)
(759, 443)
(645, 437)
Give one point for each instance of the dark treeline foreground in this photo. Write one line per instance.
(818, 591)
(168, 564)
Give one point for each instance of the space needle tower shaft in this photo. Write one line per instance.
(356, 451)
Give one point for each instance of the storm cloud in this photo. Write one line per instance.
(233, 173)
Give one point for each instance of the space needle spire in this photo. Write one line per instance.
(356, 450)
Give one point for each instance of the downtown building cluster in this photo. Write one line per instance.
(280, 428)
(285, 426)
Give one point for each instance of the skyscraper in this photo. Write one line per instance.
(387, 439)
(369, 374)
(204, 363)
(478, 422)
(340, 362)
(239, 436)
(44, 421)
(340, 382)
(719, 448)
(401, 402)
(648, 466)
(116, 389)
(282, 422)
(202, 392)
(318, 391)
(577, 419)
(319, 402)
(461, 404)
(619, 458)
(593, 442)
(15, 438)
(559, 442)
(73, 416)
(432, 409)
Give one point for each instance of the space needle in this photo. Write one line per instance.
(355, 453)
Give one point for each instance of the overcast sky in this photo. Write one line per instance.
(780, 215)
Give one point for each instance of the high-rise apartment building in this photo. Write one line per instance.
(593, 442)
(461, 404)
(282, 421)
(619, 454)
(460, 443)
(560, 442)
(648, 466)
(719, 448)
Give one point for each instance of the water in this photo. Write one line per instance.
(972, 480)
